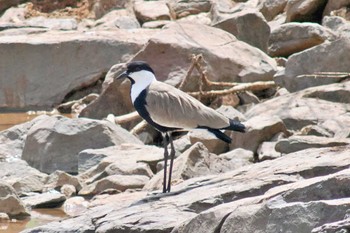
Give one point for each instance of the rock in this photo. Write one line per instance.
(198, 197)
(149, 11)
(52, 24)
(10, 202)
(231, 113)
(68, 190)
(101, 7)
(334, 227)
(22, 177)
(44, 200)
(258, 213)
(195, 162)
(238, 158)
(338, 93)
(271, 8)
(127, 159)
(75, 206)
(316, 130)
(155, 24)
(258, 34)
(71, 70)
(209, 140)
(117, 182)
(333, 22)
(320, 58)
(14, 16)
(49, 146)
(121, 18)
(12, 139)
(58, 179)
(296, 111)
(266, 151)
(333, 5)
(4, 217)
(221, 10)
(296, 143)
(305, 10)
(259, 129)
(201, 18)
(337, 126)
(291, 38)
(182, 9)
(222, 51)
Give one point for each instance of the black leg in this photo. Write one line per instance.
(172, 156)
(165, 142)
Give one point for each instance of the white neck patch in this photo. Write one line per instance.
(142, 80)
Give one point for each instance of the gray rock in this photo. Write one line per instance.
(333, 22)
(316, 130)
(117, 18)
(297, 111)
(259, 129)
(52, 23)
(339, 126)
(334, 227)
(10, 203)
(126, 159)
(138, 211)
(58, 179)
(117, 182)
(22, 177)
(37, 52)
(266, 151)
(49, 145)
(327, 57)
(185, 8)
(296, 143)
(258, 34)
(44, 200)
(209, 140)
(291, 38)
(68, 190)
(222, 51)
(13, 139)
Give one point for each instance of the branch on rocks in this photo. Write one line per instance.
(127, 118)
(255, 86)
(139, 127)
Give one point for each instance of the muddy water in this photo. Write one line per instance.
(8, 120)
(38, 217)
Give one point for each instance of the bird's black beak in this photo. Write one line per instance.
(125, 74)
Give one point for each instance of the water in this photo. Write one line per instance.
(8, 120)
(38, 217)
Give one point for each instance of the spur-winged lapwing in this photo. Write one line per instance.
(167, 109)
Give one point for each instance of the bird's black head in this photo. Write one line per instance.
(138, 66)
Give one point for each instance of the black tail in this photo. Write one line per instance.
(236, 126)
(220, 135)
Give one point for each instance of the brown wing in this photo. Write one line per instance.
(171, 107)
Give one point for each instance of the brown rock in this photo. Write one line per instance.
(291, 38)
(271, 8)
(305, 10)
(150, 10)
(258, 33)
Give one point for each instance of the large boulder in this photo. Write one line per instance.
(169, 53)
(326, 57)
(55, 142)
(291, 38)
(57, 63)
(305, 10)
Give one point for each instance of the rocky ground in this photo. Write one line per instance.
(290, 172)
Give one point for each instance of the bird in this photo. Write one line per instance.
(169, 109)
